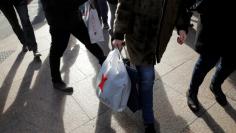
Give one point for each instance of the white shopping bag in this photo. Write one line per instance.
(113, 84)
(93, 24)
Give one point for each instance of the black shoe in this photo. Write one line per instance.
(192, 102)
(219, 95)
(24, 49)
(150, 128)
(62, 87)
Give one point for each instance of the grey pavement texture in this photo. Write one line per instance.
(29, 104)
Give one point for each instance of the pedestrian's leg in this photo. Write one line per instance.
(59, 43)
(204, 64)
(147, 76)
(22, 10)
(223, 70)
(10, 14)
(82, 34)
(102, 5)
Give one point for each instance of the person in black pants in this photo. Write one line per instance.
(102, 9)
(213, 46)
(64, 19)
(25, 35)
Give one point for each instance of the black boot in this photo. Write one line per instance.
(219, 95)
(150, 128)
(62, 87)
(192, 102)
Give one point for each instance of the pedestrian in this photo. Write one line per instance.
(64, 18)
(102, 9)
(213, 46)
(26, 33)
(148, 26)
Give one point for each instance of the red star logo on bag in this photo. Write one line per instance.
(101, 84)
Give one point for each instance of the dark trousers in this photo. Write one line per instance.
(102, 9)
(10, 14)
(204, 64)
(25, 35)
(60, 38)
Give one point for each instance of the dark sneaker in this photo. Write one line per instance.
(150, 128)
(24, 49)
(219, 95)
(62, 87)
(192, 102)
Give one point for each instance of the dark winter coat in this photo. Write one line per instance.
(213, 36)
(113, 1)
(17, 2)
(62, 13)
(148, 26)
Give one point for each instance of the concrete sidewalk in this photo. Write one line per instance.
(29, 104)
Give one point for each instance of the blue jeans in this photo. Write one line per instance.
(204, 64)
(147, 76)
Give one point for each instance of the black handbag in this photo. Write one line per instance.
(134, 103)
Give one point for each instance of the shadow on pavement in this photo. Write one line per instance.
(190, 41)
(36, 106)
(39, 20)
(8, 81)
(69, 58)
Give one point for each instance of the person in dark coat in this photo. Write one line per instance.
(148, 26)
(25, 34)
(64, 19)
(213, 46)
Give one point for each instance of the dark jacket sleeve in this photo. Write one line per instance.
(124, 18)
(183, 18)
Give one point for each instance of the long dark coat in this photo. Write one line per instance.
(148, 26)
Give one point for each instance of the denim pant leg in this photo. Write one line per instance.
(103, 9)
(147, 76)
(22, 10)
(204, 64)
(10, 14)
(223, 70)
